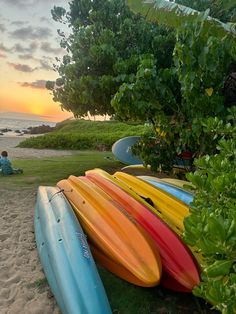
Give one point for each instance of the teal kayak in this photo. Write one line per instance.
(65, 255)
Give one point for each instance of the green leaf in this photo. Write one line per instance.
(173, 14)
(219, 268)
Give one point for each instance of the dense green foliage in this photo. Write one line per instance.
(211, 227)
(204, 50)
(200, 137)
(82, 134)
(151, 91)
(182, 117)
(220, 9)
(105, 48)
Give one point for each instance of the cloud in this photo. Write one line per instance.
(29, 32)
(18, 23)
(23, 3)
(2, 55)
(45, 65)
(3, 48)
(26, 56)
(46, 46)
(45, 19)
(20, 2)
(22, 67)
(38, 84)
(2, 28)
(30, 49)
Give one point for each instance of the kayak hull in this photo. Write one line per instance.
(179, 193)
(113, 233)
(65, 256)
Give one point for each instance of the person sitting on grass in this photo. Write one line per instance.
(5, 165)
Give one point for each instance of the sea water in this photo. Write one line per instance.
(20, 124)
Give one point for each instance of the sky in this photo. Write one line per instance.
(29, 44)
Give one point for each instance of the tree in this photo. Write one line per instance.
(174, 15)
(105, 49)
(222, 10)
(205, 46)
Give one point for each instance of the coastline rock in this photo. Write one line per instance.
(5, 130)
(39, 129)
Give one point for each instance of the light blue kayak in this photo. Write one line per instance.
(66, 257)
(177, 192)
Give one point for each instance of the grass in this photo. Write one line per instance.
(124, 298)
(48, 171)
(81, 134)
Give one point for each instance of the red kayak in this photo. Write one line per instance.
(179, 265)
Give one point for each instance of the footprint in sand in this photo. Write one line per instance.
(13, 279)
(4, 236)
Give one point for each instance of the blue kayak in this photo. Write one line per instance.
(123, 152)
(66, 258)
(177, 192)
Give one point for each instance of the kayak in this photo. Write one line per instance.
(171, 208)
(65, 256)
(177, 192)
(135, 195)
(177, 260)
(112, 233)
(177, 182)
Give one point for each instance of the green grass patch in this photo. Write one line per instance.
(82, 135)
(48, 171)
(126, 298)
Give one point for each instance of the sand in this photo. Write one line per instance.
(9, 144)
(22, 286)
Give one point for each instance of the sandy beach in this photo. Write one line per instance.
(23, 289)
(9, 144)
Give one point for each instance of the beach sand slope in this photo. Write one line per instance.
(23, 289)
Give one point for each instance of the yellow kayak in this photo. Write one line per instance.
(116, 238)
(170, 207)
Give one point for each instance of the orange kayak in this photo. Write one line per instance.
(119, 243)
(177, 259)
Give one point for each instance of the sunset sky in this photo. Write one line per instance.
(28, 46)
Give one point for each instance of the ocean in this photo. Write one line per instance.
(14, 125)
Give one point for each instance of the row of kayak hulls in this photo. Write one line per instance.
(113, 233)
(125, 236)
(178, 263)
(164, 204)
(180, 268)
